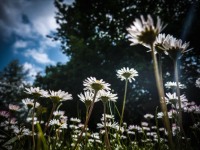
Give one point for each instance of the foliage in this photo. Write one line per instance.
(11, 82)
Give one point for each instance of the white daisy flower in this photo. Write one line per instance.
(35, 119)
(95, 136)
(113, 125)
(172, 85)
(54, 122)
(160, 115)
(108, 117)
(5, 114)
(87, 97)
(160, 39)
(175, 129)
(144, 124)
(198, 83)
(92, 84)
(63, 119)
(58, 113)
(171, 45)
(144, 31)
(14, 107)
(76, 120)
(148, 116)
(131, 132)
(172, 98)
(35, 91)
(12, 121)
(63, 126)
(106, 96)
(134, 127)
(26, 131)
(127, 74)
(30, 103)
(59, 96)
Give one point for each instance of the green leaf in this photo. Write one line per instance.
(11, 141)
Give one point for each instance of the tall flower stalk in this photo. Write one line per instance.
(36, 93)
(87, 99)
(159, 84)
(108, 147)
(33, 129)
(86, 121)
(56, 97)
(93, 85)
(174, 47)
(128, 75)
(124, 102)
(50, 117)
(178, 94)
(145, 32)
(105, 97)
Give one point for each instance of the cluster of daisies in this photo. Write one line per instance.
(94, 91)
(146, 33)
(57, 126)
(147, 132)
(172, 100)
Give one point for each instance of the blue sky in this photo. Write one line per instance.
(24, 25)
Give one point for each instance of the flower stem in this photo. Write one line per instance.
(161, 96)
(179, 99)
(124, 102)
(33, 129)
(160, 68)
(52, 110)
(106, 131)
(86, 121)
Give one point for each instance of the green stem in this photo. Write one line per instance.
(87, 111)
(179, 99)
(33, 129)
(86, 121)
(124, 102)
(110, 107)
(162, 96)
(106, 131)
(157, 129)
(160, 68)
(51, 114)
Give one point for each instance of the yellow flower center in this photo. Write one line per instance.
(104, 99)
(88, 102)
(55, 99)
(148, 36)
(97, 86)
(126, 75)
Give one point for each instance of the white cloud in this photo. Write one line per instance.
(38, 56)
(11, 18)
(45, 24)
(31, 21)
(47, 42)
(20, 44)
(40, 15)
(32, 71)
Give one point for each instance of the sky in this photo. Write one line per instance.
(24, 26)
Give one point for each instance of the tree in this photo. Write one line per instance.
(93, 35)
(11, 82)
